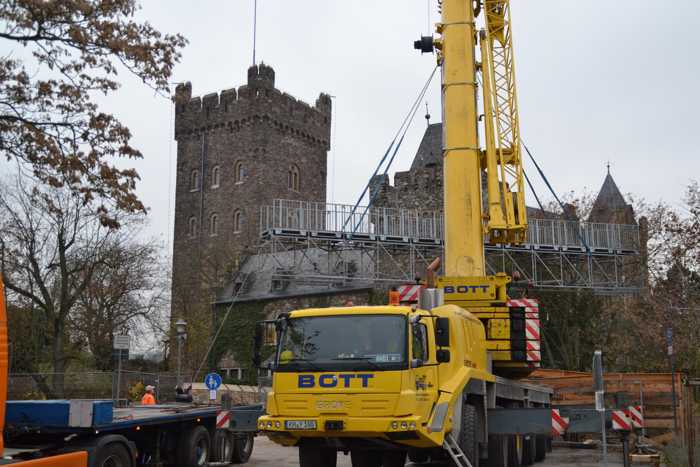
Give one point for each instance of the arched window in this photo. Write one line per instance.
(194, 180)
(214, 225)
(238, 172)
(237, 221)
(215, 177)
(192, 229)
(293, 178)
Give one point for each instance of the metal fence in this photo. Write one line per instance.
(339, 220)
(91, 385)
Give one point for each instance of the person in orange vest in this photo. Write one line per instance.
(394, 297)
(149, 398)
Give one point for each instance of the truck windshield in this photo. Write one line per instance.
(338, 343)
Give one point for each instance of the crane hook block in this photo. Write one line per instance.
(426, 45)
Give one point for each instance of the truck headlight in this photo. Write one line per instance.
(404, 426)
(412, 425)
(394, 425)
(277, 424)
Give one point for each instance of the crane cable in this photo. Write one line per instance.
(551, 189)
(400, 135)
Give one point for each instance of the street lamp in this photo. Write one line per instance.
(181, 334)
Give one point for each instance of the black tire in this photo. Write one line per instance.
(365, 458)
(468, 436)
(419, 456)
(222, 446)
(242, 448)
(394, 459)
(529, 450)
(515, 450)
(498, 451)
(313, 455)
(194, 448)
(540, 448)
(112, 455)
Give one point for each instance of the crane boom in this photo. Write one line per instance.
(472, 214)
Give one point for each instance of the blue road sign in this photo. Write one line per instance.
(212, 381)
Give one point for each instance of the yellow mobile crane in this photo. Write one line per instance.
(384, 382)
(503, 217)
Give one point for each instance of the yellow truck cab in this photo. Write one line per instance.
(380, 383)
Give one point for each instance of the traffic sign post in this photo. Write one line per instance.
(212, 381)
(599, 387)
(121, 343)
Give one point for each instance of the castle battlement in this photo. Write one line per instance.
(256, 101)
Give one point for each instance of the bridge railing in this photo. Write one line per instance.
(411, 225)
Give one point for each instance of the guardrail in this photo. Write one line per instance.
(339, 220)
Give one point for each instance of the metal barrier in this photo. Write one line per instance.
(380, 223)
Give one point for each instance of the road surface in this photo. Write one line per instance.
(269, 454)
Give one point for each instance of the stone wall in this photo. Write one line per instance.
(255, 137)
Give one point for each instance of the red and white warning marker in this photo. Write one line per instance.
(223, 418)
(559, 423)
(620, 421)
(409, 293)
(636, 416)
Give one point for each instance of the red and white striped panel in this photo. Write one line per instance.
(223, 419)
(532, 326)
(533, 351)
(636, 416)
(409, 293)
(620, 421)
(559, 424)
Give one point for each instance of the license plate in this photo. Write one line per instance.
(300, 424)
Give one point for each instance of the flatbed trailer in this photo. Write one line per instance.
(168, 434)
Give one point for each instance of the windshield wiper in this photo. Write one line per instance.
(369, 360)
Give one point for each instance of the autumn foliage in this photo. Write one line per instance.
(63, 54)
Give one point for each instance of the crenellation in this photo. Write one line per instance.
(254, 135)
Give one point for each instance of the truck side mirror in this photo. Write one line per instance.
(443, 356)
(442, 332)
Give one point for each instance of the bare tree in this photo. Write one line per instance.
(128, 292)
(52, 250)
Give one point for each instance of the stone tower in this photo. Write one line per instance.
(236, 151)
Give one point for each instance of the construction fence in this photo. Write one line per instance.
(92, 385)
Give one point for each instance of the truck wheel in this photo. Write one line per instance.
(222, 449)
(315, 456)
(242, 448)
(529, 450)
(498, 451)
(540, 448)
(515, 451)
(418, 456)
(193, 450)
(366, 458)
(468, 440)
(394, 459)
(112, 455)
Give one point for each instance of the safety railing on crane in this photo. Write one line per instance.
(380, 223)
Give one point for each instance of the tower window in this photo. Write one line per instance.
(215, 177)
(214, 225)
(237, 221)
(192, 227)
(194, 180)
(293, 178)
(239, 172)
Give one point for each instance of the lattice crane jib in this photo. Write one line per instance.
(501, 159)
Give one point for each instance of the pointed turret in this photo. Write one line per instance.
(610, 206)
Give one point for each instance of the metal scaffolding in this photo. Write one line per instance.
(317, 243)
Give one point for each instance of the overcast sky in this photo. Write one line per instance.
(612, 81)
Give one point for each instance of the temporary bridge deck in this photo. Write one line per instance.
(380, 244)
